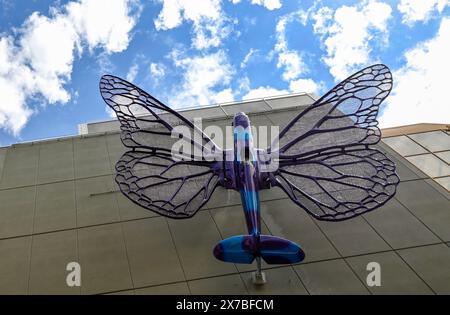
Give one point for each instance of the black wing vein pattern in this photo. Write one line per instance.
(148, 174)
(327, 164)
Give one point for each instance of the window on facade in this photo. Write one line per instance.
(445, 156)
(430, 165)
(433, 141)
(444, 182)
(404, 146)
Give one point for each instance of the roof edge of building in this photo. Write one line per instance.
(413, 128)
(86, 128)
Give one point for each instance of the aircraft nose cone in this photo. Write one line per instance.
(241, 119)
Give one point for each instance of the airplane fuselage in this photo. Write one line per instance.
(243, 175)
(246, 169)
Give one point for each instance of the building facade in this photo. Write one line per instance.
(59, 204)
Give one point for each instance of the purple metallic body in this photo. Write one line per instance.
(246, 165)
(245, 248)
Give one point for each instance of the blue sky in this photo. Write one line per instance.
(190, 53)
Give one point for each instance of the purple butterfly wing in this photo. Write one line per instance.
(173, 183)
(147, 123)
(326, 163)
(176, 189)
(340, 185)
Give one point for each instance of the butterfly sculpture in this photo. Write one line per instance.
(325, 161)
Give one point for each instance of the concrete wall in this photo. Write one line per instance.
(59, 203)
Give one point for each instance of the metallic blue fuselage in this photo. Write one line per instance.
(245, 177)
(246, 165)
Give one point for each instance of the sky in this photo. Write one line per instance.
(191, 53)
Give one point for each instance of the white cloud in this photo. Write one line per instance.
(157, 70)
(132, 72)
(205, 80)
(420, 10)
(39, 60)
(110, 30)
(50, 61)
(243, 84)
(207, 17)
(347, 34)
(306, 85)
(226, 95)
(263, 91)
(210, 24)
(104, 63)
(268, 4)
(15, 80)
(293, 64)
(248, 57)
(420, 93)
(289, 60)
(322, 18)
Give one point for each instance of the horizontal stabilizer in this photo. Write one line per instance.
(236, 249)
(243, 249)
(277, 250)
